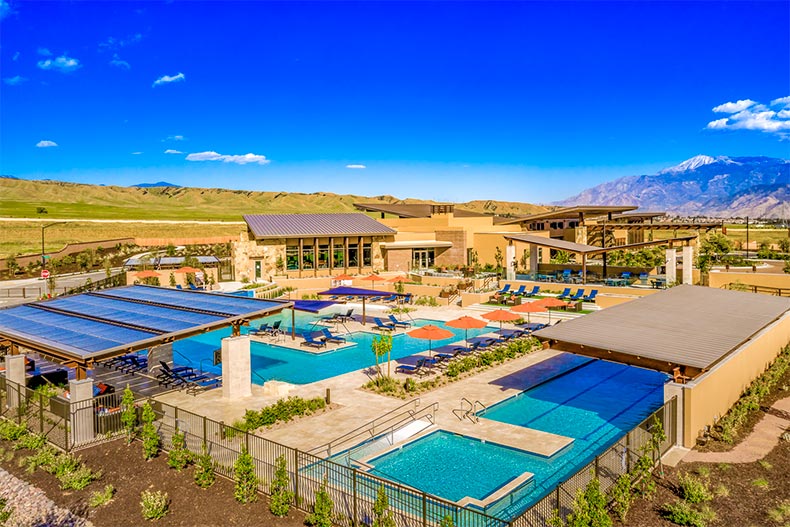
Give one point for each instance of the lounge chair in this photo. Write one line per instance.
(625, 275)
(347, 317)
(449, 352)
(399, 323)
(309, 340)
(407, 299)
(196, 386)
(275, 328)
(591, 296)
(193, 287)
(509, 334)
(111, 363)
(566, 275)
(180, 370)
(419, 368)
(535, 291)
(643, 278)
(520, 290)
(178, 286)
(260, 330)
(383, 326)
(132, 364)
(331, 318)
(577, 295)
(390, 299)
(329, 337)
(504, 290)
(565, 294)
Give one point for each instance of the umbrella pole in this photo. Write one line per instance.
(363, 311)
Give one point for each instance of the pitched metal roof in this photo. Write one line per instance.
(314, 225)
(580, 248)
(170, 260)
(415, 210)
(573, 212)
(687, 325)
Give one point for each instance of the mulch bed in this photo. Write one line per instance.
(747, 503)
(123, 467)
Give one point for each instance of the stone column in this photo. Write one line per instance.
(15, 372)
(83, 422)
(162, 353)
(688, 264)
(672, 266)
(236, 367)
(510, 261)
(533, 258)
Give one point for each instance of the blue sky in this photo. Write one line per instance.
(521, 101)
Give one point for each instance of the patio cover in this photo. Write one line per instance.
(694, 327)
(357, 291)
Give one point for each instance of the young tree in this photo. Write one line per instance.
(383, 516)
(12, 265)
(382, 345)
(322, 509)
(128, 414)
(151, 440)
(204, 469)
(172, 280)
(179, 457)
(281, 495)
(246, 487)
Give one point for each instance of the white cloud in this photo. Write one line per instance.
(62, 64)
(15, 57)
(113, 43)
(44, 52)
(175, 138)
(171, 151)
(750, 115)
(238, 159)
(117, 62)
(167, 79)
(46, 144)
(782, 101)
(356, 166)
(733, 107)
(14, 81)
(136, 153)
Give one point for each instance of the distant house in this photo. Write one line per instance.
(310, 245)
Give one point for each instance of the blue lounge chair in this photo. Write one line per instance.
(309, 340)
(347, 317)
(408, 298)
(520, 290)
(565, 294)
(195, 386)
(591, 296)
(178, 286)
(390, 299)
(577, 295)
(566, 275)
(399, 323)
(643, 278)
(192, 287)
(504, 290)
(383, 326)
(260, 330)
(535, 291)
(625, 275)
(329, 337)
(419, 368)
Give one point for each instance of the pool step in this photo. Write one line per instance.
(384, 442)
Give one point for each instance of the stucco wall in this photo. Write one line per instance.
(708, 398)
(455, 255)
(720, 279)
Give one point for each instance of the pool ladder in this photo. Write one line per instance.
(469, 409)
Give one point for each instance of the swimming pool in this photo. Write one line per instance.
(302, 367)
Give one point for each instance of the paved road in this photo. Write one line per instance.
(15, 292)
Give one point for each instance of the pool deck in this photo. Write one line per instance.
(357, 407)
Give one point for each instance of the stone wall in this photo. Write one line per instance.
(398, 260)
(455, 255)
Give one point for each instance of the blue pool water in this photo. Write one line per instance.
(595, 404)
(441, 463)
(302, 367)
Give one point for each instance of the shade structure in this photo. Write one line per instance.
(501, 315)
(530, 307)
(353, 291)
(187, 270)
(466, 323)
(147, 274)
(399, 279)
(343, 277)
(431, 333)
(373, 279)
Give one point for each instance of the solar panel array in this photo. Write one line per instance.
(85, 324)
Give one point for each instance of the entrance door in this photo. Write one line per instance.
(422, 258)
(257, 270)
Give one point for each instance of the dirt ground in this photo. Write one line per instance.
(123, 467)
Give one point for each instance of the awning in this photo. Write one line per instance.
(312, 306)
(417, 244)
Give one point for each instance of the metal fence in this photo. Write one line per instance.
(74, 425)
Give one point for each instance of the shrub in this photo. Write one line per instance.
(63, 464)
(322, 509)
(682, 513)
(179, 457)
(761, 483)
(447, 521)
(589, 507)
(4, 513)
(283, 410)
(382, 515)
(11, 431)
(154, 505)
(128, 414)
(151, 441)
(621, 496)
(781, 512)
(79, 478)
(246, 487)
(204, 469)
(31, 442)
(281, 496)
(694, 490)
(101, 497)
(44, 458)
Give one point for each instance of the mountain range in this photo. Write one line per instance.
(724, 187)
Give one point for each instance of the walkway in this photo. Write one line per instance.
(757, 445)
(31, 506)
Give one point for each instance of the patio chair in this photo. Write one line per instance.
(132, 364)
(535, 291)
(399, 323)
(577, 295)
(643, 278)
(309, 340)
(418, 369)
(520, 290)
(383, 326)
(111, 363)
(332, 318)
(565, 294)
(566, 275)
(390, 299)
(347, 317)
(194, 386)
(504, 290)
(591, 296)
(626, 275)
(193, 287)
(408, 298)
(178, 286)
(329, 337)
(260, 330)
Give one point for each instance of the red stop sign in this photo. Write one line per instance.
(44, 274)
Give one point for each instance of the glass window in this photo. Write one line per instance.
(292, 258)
(366, 255)
(308, 257)
(339, 256)
(323, 256)
(353, 255)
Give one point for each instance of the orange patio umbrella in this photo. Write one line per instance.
(399, 279)
(147, 274)
(530, 307)
(550, 301)
(501, 315)
(187, 270)
(466, 323)
(373, 279)
(431, 333)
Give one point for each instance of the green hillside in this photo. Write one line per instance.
(21, 198)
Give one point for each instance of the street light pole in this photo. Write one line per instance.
(43, 259)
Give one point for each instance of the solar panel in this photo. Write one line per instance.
(224, 304)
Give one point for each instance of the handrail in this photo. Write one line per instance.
(470, 413)
(483, 406)
(776, 291)
(367, 428)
